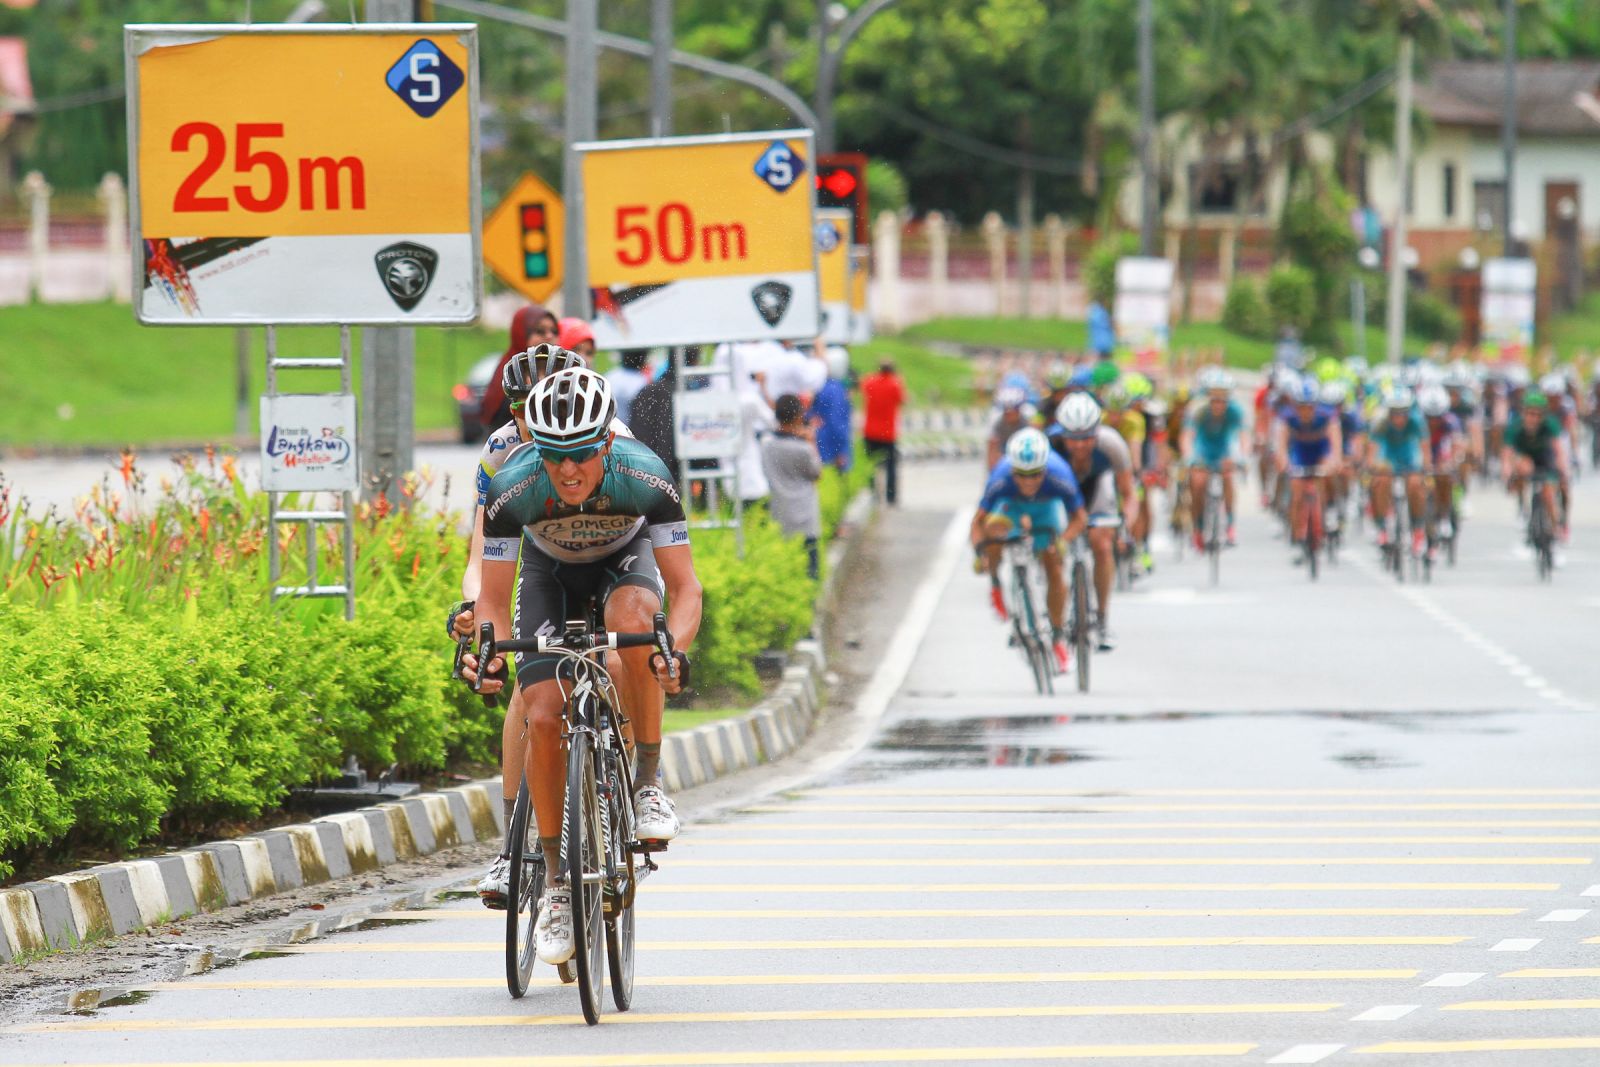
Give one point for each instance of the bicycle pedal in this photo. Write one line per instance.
(652, 845)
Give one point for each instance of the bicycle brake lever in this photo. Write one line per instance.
(486, 655)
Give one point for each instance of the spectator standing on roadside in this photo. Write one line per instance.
(792, 467)
(831, 411)
(1102, 338)
(883, 394)
(531, 325)
(628, 378)
(653, 412)
(577, 336)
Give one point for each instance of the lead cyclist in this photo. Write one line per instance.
(595, 516)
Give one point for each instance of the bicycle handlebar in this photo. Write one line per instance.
(580, 644)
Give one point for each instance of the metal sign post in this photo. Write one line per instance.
(708, 423)
(308, 445)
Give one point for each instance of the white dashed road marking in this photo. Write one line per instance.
(1455, 979)
(1306, 1054)
(1516, 944)
(1385, 1013)
(1565, 915)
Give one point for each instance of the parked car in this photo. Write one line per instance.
(469, 397)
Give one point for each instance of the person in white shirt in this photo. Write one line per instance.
(628, 378)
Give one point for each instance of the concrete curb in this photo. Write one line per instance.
(70, 910)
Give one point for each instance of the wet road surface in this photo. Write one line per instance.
(1340, 822)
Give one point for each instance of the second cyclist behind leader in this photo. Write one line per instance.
(1032, 490)
(597, 516)
(1100, 461)
(1212, 433)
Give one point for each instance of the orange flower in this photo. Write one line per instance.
(383, 507)
(127, 466)
(230, 469)
(205, 523)
(416, 565)
(211, 456)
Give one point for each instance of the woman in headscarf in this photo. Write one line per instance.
(531, 325)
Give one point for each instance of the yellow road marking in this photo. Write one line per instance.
(887, 791)
(1091, 805)
(435, 1022)
(854, 841)
(1097, 887)
(1509, 1044)
(1524, 1005)
(902, 943)
(483, 915)
(1149, 861)
(854, 826)
(754, 1058)
(920, 978)
(1554, 972)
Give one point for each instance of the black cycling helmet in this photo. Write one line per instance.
(523, 370)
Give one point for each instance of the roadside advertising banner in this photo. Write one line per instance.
(304, 174)
(708, 424)
(1508, 307)
(860, 313)
(701, 240)
(833, 273)
(308, 443)
(1143, 309)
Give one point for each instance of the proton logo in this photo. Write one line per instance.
(407, 270)
(827, 236)
(772, 301)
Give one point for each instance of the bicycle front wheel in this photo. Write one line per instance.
(1028, 632)
(585, 862)
(524, 887)
(620, 893)
(1080, 622)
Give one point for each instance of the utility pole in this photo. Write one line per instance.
(661, 68)
(1149, 201)
(1508, 128)
(388, 366)
(582, 102)
(1396, 322)
(1025, 243)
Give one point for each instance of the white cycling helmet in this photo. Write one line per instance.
(1009, 396)
(1552, 384)
(1028, 450)
(1434, 401)
(1213, 379)
(1335, 394)
(1399, 399)
(570, 410)
(1078, 415)
(838, 363)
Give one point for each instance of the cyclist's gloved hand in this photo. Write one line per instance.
(672, 674)
(494, 679)
(458, 623)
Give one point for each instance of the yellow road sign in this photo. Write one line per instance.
(833, 273)
(701, 239)
(305, 174)
(860, 313)
(522, 239)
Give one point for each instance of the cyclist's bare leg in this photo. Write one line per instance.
(1299, 507)
(1444, 491)
(1101, 541)
(997, 528)
(1414, 497)
(632, 609)
(1381, 495)
(511, 758)
(539, 706)
(1227, 487)
(1056, 593)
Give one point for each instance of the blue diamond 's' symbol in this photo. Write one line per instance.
(425, 78)
(780, 166)
(827, 236)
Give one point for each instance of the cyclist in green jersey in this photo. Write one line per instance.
(1534, 448)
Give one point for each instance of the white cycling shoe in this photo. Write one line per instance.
(654, 818)
(553, 938)
(496, 884)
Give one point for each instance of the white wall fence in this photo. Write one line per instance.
(67, 264)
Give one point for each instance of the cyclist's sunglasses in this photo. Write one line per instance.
(579, 454)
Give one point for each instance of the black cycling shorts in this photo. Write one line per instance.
(548, 590)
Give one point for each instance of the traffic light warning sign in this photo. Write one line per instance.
(522, 240)
(842, 182)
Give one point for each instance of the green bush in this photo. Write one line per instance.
(1432, 317)
(1292, 297)
(1244, 310)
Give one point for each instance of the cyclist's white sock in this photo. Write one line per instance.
(649, 757)
(510, 803)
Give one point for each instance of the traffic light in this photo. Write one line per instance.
(842, 182)
(535, 241)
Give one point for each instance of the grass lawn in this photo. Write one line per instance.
(1064, 335)
(132, 384)
(934, 380)
(673, 720)
(1580, 329)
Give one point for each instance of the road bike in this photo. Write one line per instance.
(1541, 531)
(1212, 519)
(1311, 544)
(1021, 563)
(598, 844)
(1080, 618)
(1396, 525)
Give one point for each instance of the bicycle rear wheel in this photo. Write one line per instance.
(620, 897)
(523, 890)
(1080, 622)
(585, 862)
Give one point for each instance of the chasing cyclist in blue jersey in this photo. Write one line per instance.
(1032, 490)
(1309, 440)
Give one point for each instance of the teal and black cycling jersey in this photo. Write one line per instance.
(637, 491)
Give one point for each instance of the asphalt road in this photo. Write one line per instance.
(1336, 822)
